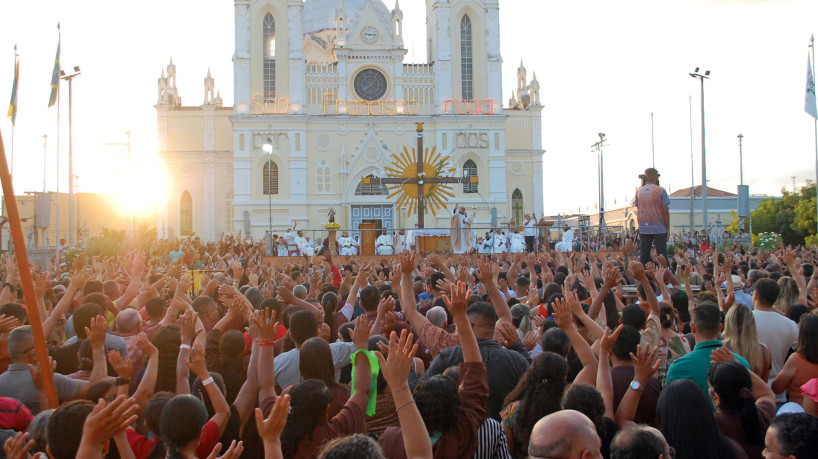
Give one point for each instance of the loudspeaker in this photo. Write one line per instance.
(743, 201)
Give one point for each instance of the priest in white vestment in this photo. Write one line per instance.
(383, 245)
(461, 230)
(567, 243)
(346, 245)
(517, 243)
(500, 243)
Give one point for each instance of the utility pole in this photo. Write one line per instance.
(701, 78)
(71, 228)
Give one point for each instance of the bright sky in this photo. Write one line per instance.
(603, 66)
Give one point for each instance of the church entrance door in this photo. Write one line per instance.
(381, 215)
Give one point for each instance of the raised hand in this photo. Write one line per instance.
(145, 345)
(458, 301)
(607, 341)
(96, 335)
(637, 271)
(270, 429)
(8, 324)
(17, 447)
(508, 332)
(645, 363)
(123, 367)
(562, 314)
(196, 364)
(395, 367)
(233, 452)
(108, 419)
(360, 335)
(265, 322)
(722, 354)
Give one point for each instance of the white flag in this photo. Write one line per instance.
(809, 104)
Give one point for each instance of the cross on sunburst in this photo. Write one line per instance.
(412, 172)
(405, 166)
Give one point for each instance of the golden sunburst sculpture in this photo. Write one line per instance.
(405, 166)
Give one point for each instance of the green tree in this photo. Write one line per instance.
(793, 216)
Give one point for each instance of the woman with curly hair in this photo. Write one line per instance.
(538, 394)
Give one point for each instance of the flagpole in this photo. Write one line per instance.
(57, 227)
(815, 123)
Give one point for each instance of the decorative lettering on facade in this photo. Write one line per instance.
(479, 140)
(266, 105)
(357, 107)
(469, 107)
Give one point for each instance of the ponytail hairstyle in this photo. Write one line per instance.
(667, 315)
(181, 423)
(309, 400)
(732, 382)
(539, 393)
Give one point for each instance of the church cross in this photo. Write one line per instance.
(420, 180)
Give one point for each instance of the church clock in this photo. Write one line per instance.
(369, 35)
(370, 84)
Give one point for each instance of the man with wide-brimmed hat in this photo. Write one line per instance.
(653, 214)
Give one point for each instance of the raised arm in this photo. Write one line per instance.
(643, 370)
(198, 367)
(603, 372)
(79, 279)
(146, 387)
(612, 278)
(395, 369)
(562, 315)
(638, 273)
(458, 303)
(487, 273)
(362, 374)
(265, 321)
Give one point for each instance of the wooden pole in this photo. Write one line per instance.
(421, 178)
(28, 282)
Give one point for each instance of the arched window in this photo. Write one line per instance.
(228, 212)
(469, 170)
(374, 188)
(186, 214)
(270, 178)
(323, 179)
(466, 69)
(517, 206)
(269, 51)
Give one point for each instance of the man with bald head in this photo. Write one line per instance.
(129, 326)
(565, 434)
(640, 442)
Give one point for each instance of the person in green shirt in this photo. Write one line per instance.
(706, 327)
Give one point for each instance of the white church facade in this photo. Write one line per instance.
(323, 98)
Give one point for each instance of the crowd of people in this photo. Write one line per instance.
(205, 350)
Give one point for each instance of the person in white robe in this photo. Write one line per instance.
(383, 245)
(461, 230)
(281, 246)
(346, 245)
(517, 243)
(500, 243)
(292, 244)
(567, 243)
(304, 244)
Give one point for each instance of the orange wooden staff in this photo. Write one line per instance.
(28, 283)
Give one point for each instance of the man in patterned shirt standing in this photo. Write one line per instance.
(652, 202)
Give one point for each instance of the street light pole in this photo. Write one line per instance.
(741, 180)
(701, 78)
(598, 146)
(71, 224)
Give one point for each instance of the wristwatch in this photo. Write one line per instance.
(122, 381)
(635, 385)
